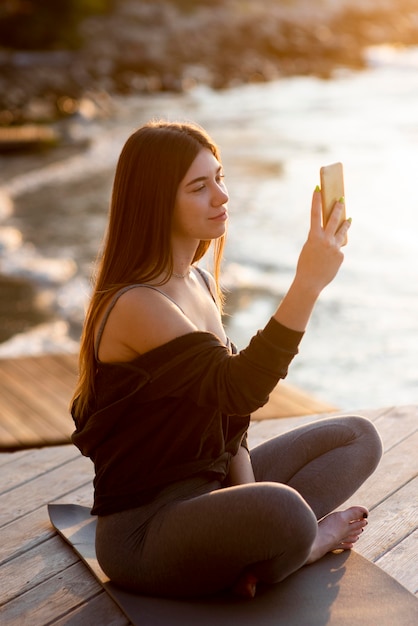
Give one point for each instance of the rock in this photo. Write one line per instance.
(156, 46)
(28, 137)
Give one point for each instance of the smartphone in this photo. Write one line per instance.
(332, 189)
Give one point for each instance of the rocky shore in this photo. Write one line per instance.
(145, 46)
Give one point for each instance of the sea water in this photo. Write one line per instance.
(360, 349)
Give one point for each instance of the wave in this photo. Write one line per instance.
(42, 339)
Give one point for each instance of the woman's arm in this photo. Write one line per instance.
(240, 469)
(319, 262)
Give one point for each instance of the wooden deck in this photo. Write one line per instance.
(43, 581)
(35, 393)
(34, 397)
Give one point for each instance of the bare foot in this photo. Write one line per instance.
(338, 531)
(246, 586)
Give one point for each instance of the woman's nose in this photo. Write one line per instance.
(221, 196)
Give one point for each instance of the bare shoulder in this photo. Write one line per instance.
(141, 320)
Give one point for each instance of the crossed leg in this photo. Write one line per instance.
(337, 531)
(263, 531)
(331, 459)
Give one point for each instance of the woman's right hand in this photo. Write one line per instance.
(319, 262)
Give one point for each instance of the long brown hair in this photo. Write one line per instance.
(137, 246)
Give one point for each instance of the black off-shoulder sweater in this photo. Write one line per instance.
(179, 410)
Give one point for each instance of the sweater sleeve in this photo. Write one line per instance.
(237, 384)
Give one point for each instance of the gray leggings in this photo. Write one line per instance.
(199, 537)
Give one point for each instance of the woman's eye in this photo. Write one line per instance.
(218, 180)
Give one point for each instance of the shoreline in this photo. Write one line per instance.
(348, 92)
(154, 47)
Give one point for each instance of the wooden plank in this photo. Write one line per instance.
(391, 494)
(26, 421)
(23, 534)
(97, 611)
(266, 429)
(397, 424)
(398, 467)
(8, 440)
(35, 560)
(43, 556)
(287, 400)
(393, 424)
(34, 528)
(38, 564)
(52, 374)
(401, 562)
(34, 462)
(34, 398)
(29, 416)
(392, 521)
(52, 599)
(45, 488)
(35, 393)
(7, 458)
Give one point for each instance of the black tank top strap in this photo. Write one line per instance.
(109, 309)
(205, 278)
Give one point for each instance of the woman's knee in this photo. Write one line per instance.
(368, 441)
(288, 527)
(284, 515)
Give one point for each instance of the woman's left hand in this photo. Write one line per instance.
(321, 256)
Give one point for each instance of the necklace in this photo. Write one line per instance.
(181, 275)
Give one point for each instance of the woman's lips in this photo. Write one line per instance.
(220, 217)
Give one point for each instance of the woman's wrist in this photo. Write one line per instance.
(296, 307)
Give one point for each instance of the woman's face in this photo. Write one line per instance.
(200, 210)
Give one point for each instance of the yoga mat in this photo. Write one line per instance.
(341, 590)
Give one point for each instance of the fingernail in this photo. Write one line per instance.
(317, 188)
(349, 219)
(365, 515)
(341, 200)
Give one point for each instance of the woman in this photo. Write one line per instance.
(163, 401)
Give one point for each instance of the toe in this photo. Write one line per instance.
(356, 513)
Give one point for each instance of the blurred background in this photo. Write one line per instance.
(283, 87)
